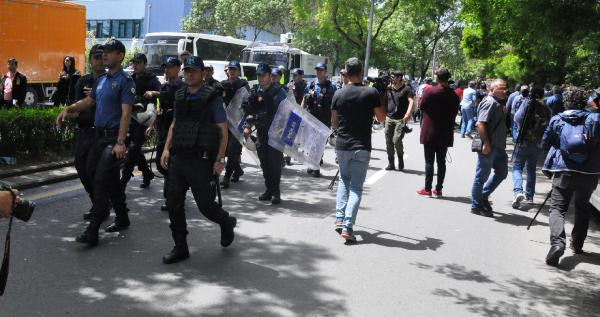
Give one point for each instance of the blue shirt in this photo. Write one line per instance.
(469, 97)
(217, 110)
(555, 103)
(510, 101)
(111, 92)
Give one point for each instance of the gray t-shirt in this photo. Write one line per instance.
(492, 113)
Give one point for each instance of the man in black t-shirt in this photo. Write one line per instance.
(399, 107)
(352, 111)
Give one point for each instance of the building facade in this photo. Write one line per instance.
(130, 20)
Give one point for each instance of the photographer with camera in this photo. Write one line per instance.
(399, 106)
(573, 140)
(439, 105)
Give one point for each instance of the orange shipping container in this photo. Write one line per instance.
(39, 34)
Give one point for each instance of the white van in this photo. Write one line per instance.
(248, 71)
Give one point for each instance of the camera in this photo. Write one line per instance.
(381, 82)
(406, 129)
(23, 210)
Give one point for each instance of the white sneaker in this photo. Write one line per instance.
(518, 199)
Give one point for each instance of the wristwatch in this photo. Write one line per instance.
(221, 160)
(120, 142)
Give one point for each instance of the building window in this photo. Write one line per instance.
(124, 29)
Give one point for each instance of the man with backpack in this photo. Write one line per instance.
(531, 120)
(573, 139)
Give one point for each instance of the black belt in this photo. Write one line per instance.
(202, 154)
(106, 133)
(85, 129)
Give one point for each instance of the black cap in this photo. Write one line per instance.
(172, 61)
(139, 58)
(114, 45)
(276, 71)
(194, 62)
(96, 50)
(263, 68)
(321, 66)
(298, 71)
(234, 64)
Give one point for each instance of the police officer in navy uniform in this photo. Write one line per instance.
(194, 154)
(113, 94)
(164, 117)
(84, 133)
(298, 85)
(233, 170)
(144, 81)
(317, 100)
(260, 109)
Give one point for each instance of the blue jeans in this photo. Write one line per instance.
(468, 119)
(526, 156)
(515, 131)
(353, 170)
(483, 184)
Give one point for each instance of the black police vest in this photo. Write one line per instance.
(320, 102)
(86, 118)
(299, 91)
(194, 132)
(143, 83)
(265, 109)
(230, 88)
(167, 101)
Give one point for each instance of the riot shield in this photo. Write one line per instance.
(236, 120)
(298, 134)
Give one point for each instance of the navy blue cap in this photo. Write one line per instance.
(234, 64)
(114, 45)
(276, 71)
(172, 61)
(321, 66)
(194, 62)
(96, 50)
(139, 57)
(263, 68)
(298, 71)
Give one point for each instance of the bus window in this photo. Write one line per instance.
(250, 73)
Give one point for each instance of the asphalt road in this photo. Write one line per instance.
(415, 256)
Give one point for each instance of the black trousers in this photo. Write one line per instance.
(135, 157)
(270, 163)
(438, 154)
(103, 164)
(160, 148)
(234, 156)
(86, 139)
(195, 173)
(566, 186)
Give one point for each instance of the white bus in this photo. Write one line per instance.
(160, 46)
(281, 54)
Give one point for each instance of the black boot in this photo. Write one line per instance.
(400, 162)
(227, 234)
(265, 196)
(391, 165)
(237, 174)
(225, 181)
(179, 252)
(148, 177)
(90, 235)
(121, 223)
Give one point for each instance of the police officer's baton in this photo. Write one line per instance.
(540, 209)
(218, 187)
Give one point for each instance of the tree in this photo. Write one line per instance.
(231, 17)
(543, 35)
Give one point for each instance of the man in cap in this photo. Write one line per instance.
(164, 113)
(194, 154)
(317, 100)
(113, 95)
(298, 85)
(277, 77)
(144, 81)
(84, 120)
(13, 86)
(260, 108)
(234, 82)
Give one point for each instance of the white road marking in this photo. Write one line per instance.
(375, 177)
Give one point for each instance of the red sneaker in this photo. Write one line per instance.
(437, 193)
(424, 192)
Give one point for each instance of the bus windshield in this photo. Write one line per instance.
(271, 58)
(158, 49)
